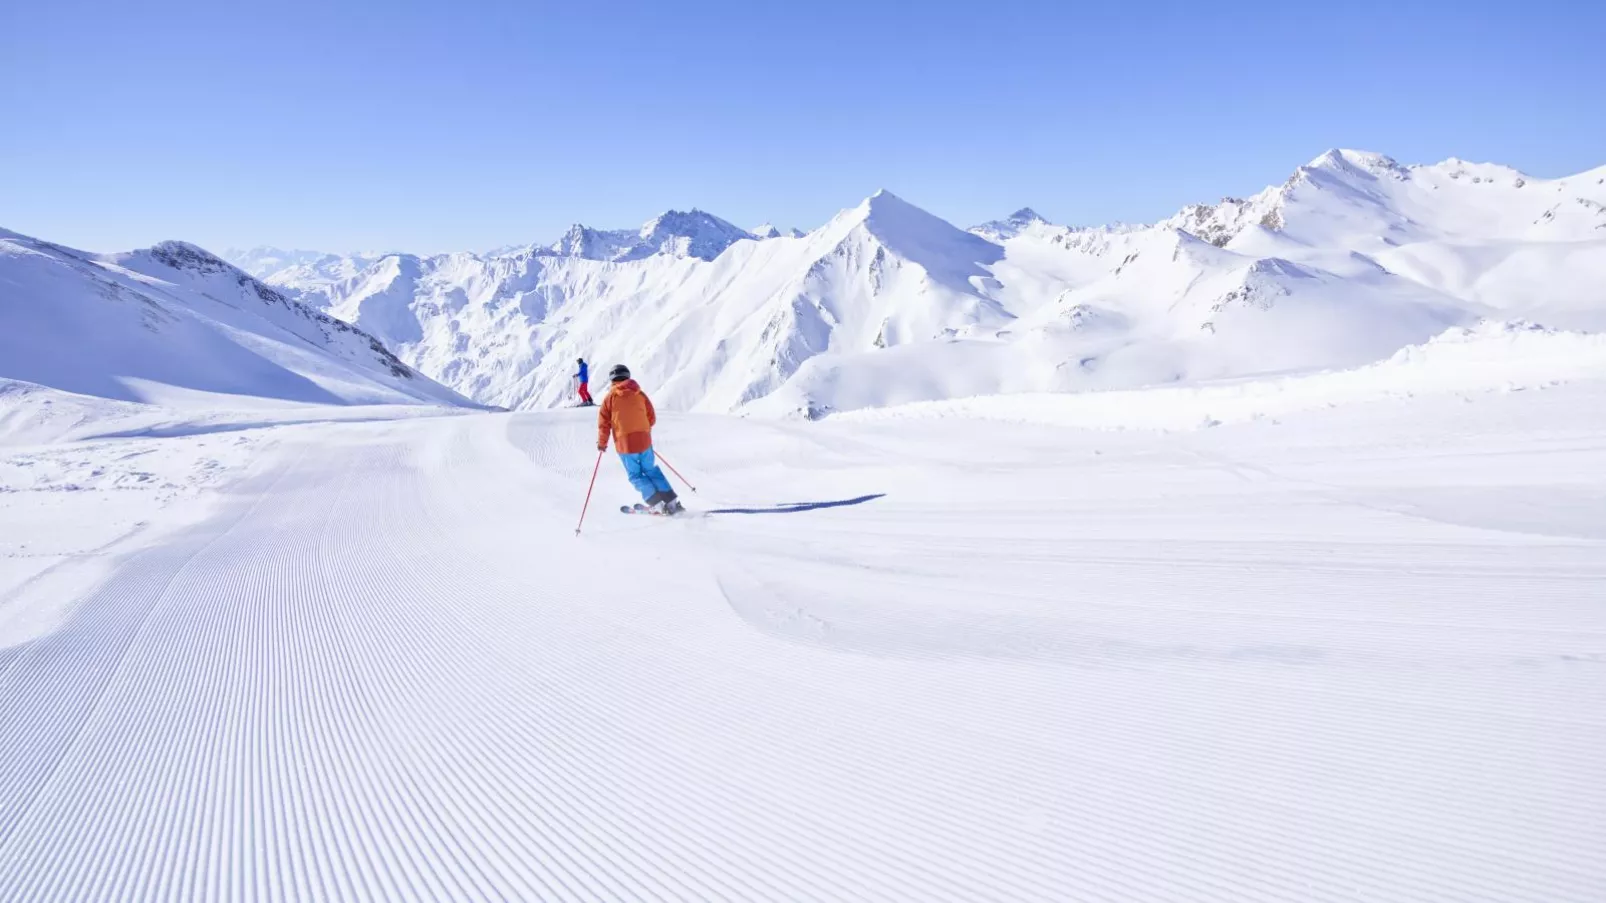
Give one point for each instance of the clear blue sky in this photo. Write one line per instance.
(427, 127)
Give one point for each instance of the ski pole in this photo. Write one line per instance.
(589, 487)
(674, 471)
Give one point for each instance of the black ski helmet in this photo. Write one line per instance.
(619, 373)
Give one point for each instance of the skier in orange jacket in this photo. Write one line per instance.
(627, 415)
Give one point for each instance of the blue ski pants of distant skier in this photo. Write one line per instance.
(642, 469)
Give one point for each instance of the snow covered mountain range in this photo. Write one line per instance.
(1352, 258)
(163, 323)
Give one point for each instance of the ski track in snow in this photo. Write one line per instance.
(1156, 670)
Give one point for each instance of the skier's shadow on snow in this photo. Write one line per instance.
(795, 507)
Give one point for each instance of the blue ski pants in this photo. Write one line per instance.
(642, 469)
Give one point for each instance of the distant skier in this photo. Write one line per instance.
(582, 380)
(628, 416)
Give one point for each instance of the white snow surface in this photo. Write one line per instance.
(1460, 363)
(173, 322)
(1341, 653)
(1351, 259)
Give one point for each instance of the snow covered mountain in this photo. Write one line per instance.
(770, 230)
(1352, 258)
(160, 323)
(695, 234)
(303, 271)
(1011, 226)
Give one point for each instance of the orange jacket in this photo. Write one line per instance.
(626, 413)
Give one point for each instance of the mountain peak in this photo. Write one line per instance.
(1457, 168)
(1357, 161)
(1010, 226)
(592, 244)
(914, 234)
(688, 234)
(770, 230)
(175, 315)
(881, 205)
(885, 201)
(680, 233)
(181, 255)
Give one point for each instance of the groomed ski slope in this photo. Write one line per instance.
(1358, 654)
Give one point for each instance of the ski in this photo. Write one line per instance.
(639, 508)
